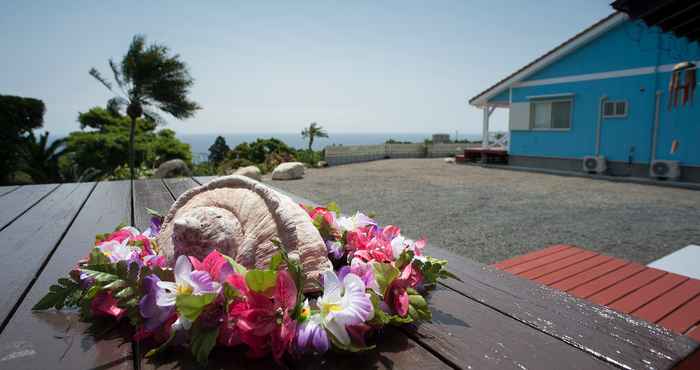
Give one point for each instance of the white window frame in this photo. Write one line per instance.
(536, 100)
(615, 103)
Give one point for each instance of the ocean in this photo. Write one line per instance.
(200, 143)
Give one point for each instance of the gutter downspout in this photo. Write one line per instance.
(657, 108)
(598, 126)
(655, 131)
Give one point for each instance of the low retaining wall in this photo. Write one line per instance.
(344, 154)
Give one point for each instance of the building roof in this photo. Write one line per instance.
(550, 57)
(680, 17)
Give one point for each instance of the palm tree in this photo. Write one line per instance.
(41, 159)
(312, 132)
(147, 78)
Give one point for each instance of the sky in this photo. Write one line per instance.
(274, 66)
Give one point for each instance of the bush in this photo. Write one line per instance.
(309, 157)
(230, 165)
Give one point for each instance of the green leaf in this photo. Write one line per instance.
(116, 284)
(190, 306)
(203, 341)
(124, 293)
(276, 260)
(404, 259)
(260, 280)
(153, 212)
(237, 267)
(230, 292)
(57, 295)
(385, 273)
(333, 207)
(101, 273)
(96, 257)
(350, 347)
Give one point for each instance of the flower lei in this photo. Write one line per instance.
(380, 278)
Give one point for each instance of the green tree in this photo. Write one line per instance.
(102, 150)
(18, 117)
(148, 77)
(312, 132)
(40, 159)
(218, 150)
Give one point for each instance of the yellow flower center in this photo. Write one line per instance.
(184, 289)
(331, 307)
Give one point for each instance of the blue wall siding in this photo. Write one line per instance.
(629, 45)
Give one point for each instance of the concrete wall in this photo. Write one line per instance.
(336, 155)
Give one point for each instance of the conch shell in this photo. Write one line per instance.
(240, 217)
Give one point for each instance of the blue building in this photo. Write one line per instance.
(601, 102)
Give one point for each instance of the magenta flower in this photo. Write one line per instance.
(268, 322)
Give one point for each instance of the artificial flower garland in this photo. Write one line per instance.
(380, 279)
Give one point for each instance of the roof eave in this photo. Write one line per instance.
(550, 57)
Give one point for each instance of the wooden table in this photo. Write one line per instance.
(491, 320)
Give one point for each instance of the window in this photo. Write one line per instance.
(615, 109)
(551, 114)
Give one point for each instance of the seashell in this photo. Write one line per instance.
(240, 217)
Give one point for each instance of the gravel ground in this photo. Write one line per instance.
(490, 214)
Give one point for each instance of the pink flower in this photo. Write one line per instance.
(104, 304)
(229, 333)
(215, 264)
(397, 296)
(267, 322)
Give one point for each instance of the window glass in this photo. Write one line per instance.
(609, 108)
(541, 113)
(620, 108)
(551, 114)
(561, 114)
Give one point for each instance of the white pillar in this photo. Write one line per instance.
(485, 128)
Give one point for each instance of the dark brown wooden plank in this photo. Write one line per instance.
(599, 331)
(29, 241)
(20, 200)
(7, 189)
(57, 340)
(149, 194)
(394, 351)
(204, 179)
(472, 335)
(179, 185)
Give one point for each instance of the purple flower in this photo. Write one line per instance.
(334, 249)
(154, 229)
(186, 282)
(153, 314)
(311, 334)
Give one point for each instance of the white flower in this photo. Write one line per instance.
(343, 303)
(352, 223)
(186, 282)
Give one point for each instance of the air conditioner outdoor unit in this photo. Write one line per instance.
(665, 169)
(594, 164)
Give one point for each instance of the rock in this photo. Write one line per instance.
(249, 171)
(288, 171)
(322, 164)
(173, 168)
(450, 160)
(240, 218)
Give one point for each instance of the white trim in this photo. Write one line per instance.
(598, 76)
(557, 54)
(549, 96)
